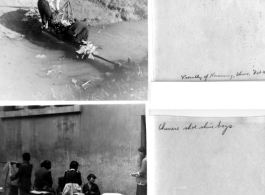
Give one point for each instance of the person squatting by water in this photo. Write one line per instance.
(24, 175)
(46, 13)
(141, 175)
(79, 31)
(90, 187)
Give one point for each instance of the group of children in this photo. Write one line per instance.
(43, 179)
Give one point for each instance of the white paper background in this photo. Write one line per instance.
(208, 37)
(204, 161)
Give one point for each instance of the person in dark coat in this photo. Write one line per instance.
(43, 177)
(24, 175)
(90, 187)
(79, 32)
(45, 13)
(73, 175)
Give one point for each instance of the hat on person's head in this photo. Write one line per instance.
(142, 149)
(91, 175)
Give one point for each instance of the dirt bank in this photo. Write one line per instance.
(110, 11)
(39, 67)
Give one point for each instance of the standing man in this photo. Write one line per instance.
(46, 13)
(24, 175)
(90, 188)
(141, 176)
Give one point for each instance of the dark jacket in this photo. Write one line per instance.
(78, 31)
(78, 26)
(45, 11)
(72, 176)
(94, 188)
(24, 176)
(43, 179)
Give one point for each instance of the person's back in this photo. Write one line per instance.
(78, 26)
(43, 179)
(24, 175)
(72, 176)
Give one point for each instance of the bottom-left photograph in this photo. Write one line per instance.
(73, 149)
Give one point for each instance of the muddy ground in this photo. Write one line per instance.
(36, 66)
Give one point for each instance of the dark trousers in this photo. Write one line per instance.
(24, 192)
(82, 35)
(141, 190)
(45, 11)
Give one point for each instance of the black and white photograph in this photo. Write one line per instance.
(73, 150)
(74, 50)
(89, 87)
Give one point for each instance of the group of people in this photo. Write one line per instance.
(77, 32)
(43, 179)
(71, 181)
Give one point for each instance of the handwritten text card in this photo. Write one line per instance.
(201, 155)
(209, 40)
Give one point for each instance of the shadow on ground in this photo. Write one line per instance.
(13, 20)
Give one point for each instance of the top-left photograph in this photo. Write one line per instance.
(74, 50)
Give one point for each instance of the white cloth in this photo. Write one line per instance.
(111, 194)
(88, 49)
(71, 188)
(39, 192)
(54, 4)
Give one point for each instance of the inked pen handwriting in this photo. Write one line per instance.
(215, 76)
(225, 127)
(164, 127)
(194, 126)
(191, 77)
(242, 74)
(190, 127)
(257, 72)
(220, 75)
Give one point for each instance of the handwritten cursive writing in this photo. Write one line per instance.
(257, 72)
(193, 126)
(164, 127)
(214, 75)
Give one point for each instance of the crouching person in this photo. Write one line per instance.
(79, 32)
(90, 187)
